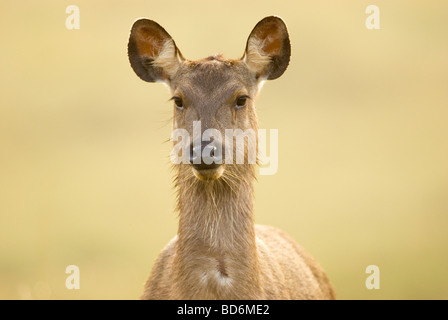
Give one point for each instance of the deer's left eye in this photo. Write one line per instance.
(241, 102)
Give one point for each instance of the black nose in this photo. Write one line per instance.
(206, 155)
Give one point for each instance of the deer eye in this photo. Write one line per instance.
(179, 103)
(241, 102)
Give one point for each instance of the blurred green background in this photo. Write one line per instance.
(362, 116)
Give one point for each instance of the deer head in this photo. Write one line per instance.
(217, 93)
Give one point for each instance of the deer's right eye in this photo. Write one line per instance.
(179, 103)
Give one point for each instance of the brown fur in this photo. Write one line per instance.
(219, 252)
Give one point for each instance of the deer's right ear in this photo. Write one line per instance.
(152, 52)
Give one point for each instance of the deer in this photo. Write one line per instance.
(219, 253)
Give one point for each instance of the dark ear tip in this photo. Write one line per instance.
(151, 24)
(138, 23)
(274, 19)
(144, 21)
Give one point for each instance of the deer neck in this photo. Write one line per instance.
(216, 252)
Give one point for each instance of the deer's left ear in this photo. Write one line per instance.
(268, 49)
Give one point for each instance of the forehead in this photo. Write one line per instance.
(211, 76)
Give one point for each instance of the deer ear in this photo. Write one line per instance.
(152, 52)
(268, 48)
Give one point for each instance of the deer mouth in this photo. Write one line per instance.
(208, 172)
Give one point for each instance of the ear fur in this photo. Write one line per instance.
(268, 49)
(152, 52)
